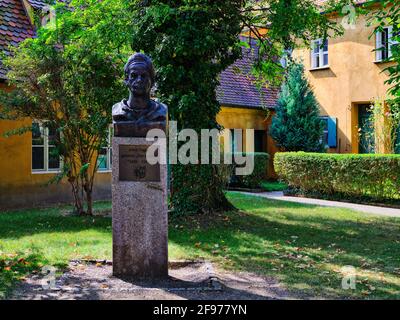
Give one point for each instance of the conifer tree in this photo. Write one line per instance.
(297, 125)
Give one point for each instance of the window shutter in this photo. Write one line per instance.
(332, 132)
(378, 46)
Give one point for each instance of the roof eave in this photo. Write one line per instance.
(231, 105)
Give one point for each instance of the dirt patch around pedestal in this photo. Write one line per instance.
(195, 280)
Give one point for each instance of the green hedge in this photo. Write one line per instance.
(259, 174)
(360, 175)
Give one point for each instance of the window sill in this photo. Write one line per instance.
(104, 171)
(383, 61)
(320, 68)
(46, 172)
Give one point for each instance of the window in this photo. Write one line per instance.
(260, 144)
(319, 53)
(44, 152)
(329, 132)
(104, 161)
(366, 140)
(384, 44)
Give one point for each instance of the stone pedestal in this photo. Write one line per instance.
(139, 211)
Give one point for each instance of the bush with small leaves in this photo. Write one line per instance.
(354, 175)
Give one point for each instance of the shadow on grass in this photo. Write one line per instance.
(305, 246)
(16, 266)
(17, 224)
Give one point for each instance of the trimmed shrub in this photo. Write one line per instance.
(357, 175)
(259, 173)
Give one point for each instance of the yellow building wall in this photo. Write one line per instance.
(244, 118)
(353, 78)
(19, 187)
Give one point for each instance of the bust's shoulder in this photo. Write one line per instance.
(117, 108)
(161, 107)
(118, 112)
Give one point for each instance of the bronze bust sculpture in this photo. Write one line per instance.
(139, 110)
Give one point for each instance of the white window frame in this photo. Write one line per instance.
(46, 148)
(378, 44)
(108, 153)
(320, 54)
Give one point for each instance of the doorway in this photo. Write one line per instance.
(366, 141)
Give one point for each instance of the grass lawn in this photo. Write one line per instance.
(303, 246)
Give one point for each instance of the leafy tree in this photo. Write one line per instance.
(297, 125)
(77, 64)
(191, 42)
(380, 131)
(70, 76)
(388, 14)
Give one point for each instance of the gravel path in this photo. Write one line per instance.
(196, 280)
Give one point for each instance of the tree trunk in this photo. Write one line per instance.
(77, 199)
(89, 203)
(88, 189)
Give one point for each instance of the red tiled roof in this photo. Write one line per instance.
(14, 27)
(37, 4)
(237, 86)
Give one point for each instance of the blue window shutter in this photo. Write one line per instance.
(332, 129)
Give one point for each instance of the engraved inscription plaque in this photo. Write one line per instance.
(133, 165)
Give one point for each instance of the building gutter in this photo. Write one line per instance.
(238, 106)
